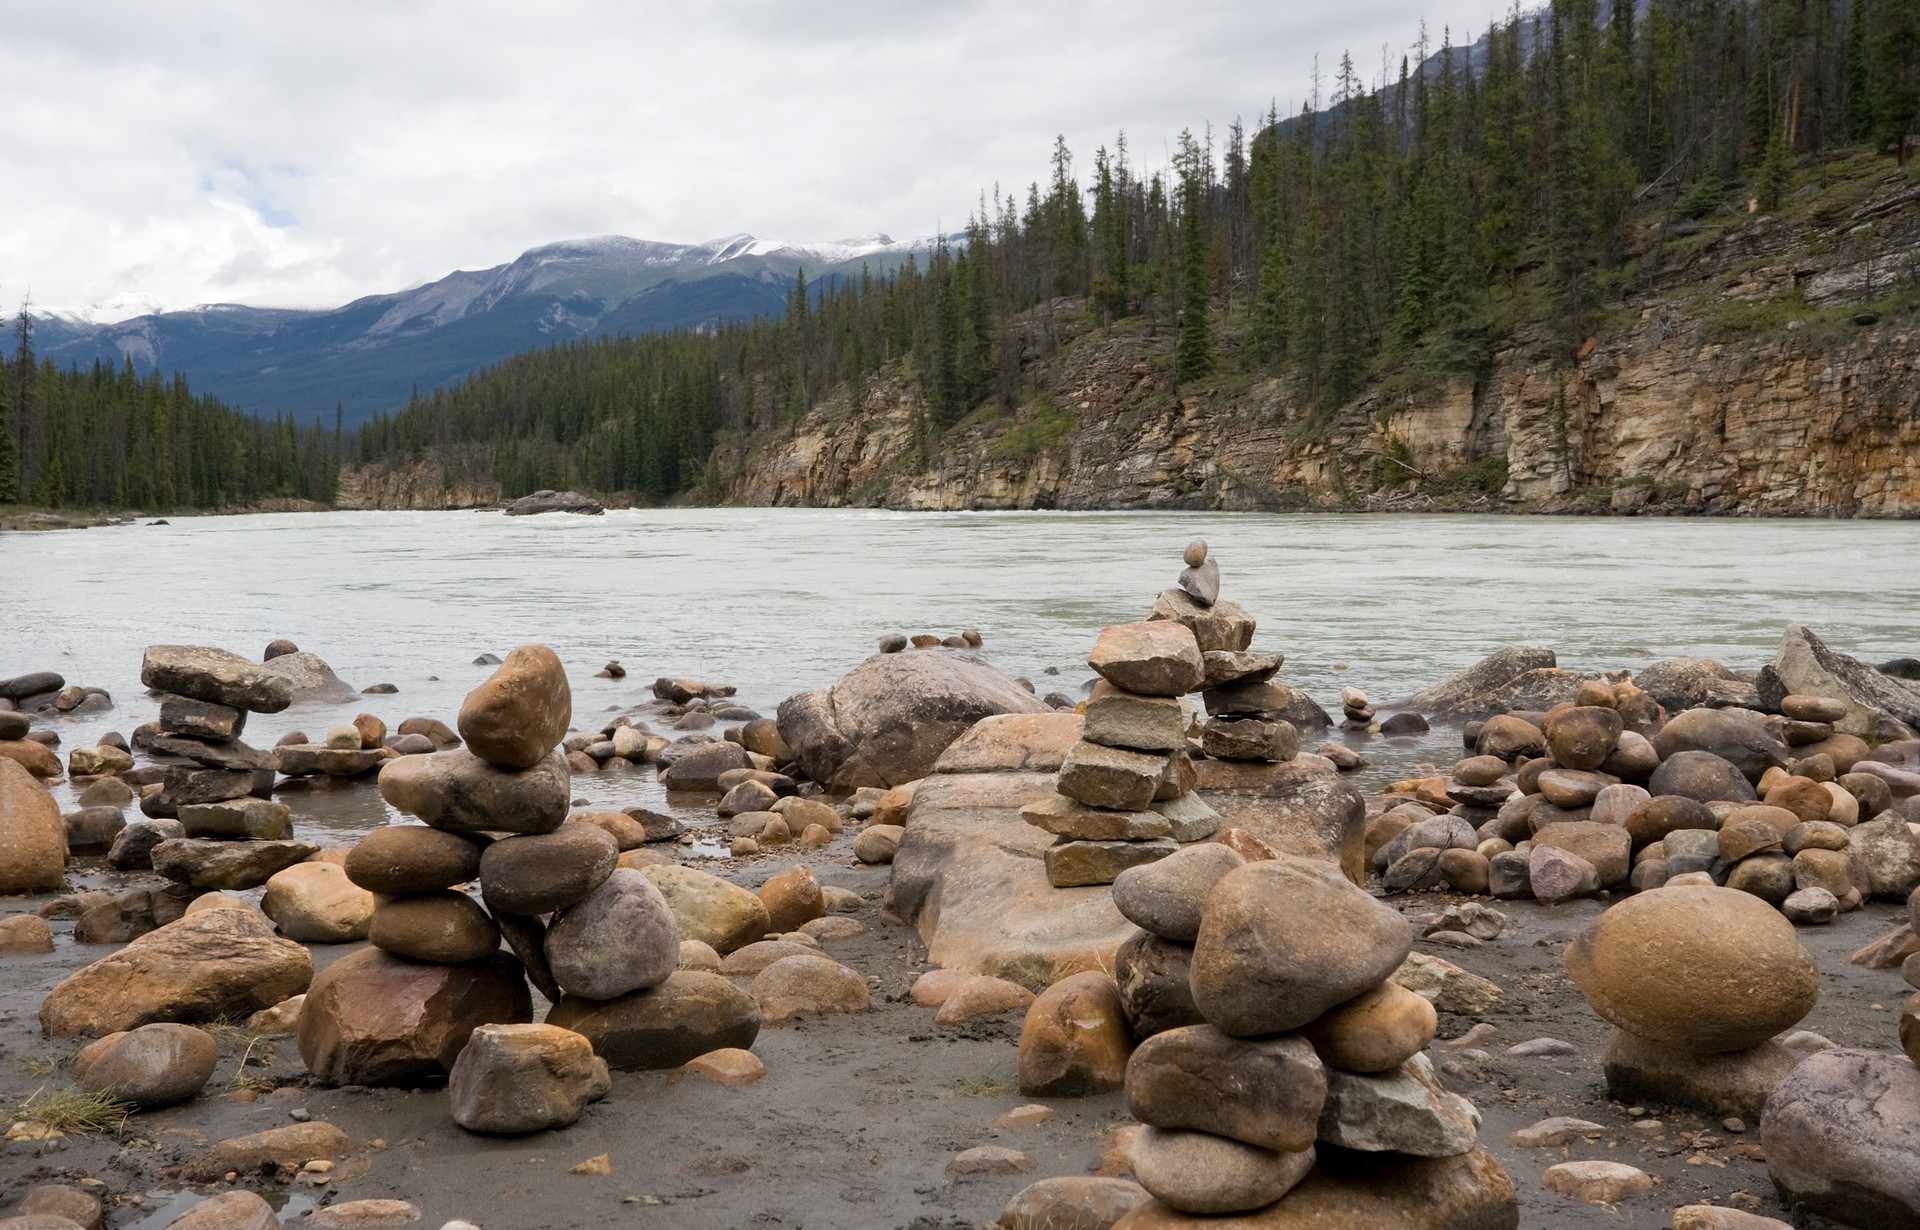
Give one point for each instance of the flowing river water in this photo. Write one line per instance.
(778, 600)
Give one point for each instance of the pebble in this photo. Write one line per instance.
(1596, 1182)
(989, 1160)
(1539, 1047)
(1031, 1115)
(1552, 1133)
(731, 1066)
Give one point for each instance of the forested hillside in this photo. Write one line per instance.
(1396, 235)
(108, 438)
(1396, 231)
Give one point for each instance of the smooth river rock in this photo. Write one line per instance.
(458, 792)
(1285, 939)
(521, 712)
(621, 937)
(371, 1018)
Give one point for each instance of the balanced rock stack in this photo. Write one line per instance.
(1302, 1040)
(1696, 980)
(1358, 711)
(1125, 789)
(404, 1008)
(232, 834)
(1244, 708)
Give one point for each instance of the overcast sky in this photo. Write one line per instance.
(302, 154)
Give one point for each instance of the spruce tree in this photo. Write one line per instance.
(1193, 347)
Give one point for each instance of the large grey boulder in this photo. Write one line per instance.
(1470, 694)
(311, 678)
(1842, 1138)
(1743, 738)
(1695, 683)
(1879, 706)
(885, 722)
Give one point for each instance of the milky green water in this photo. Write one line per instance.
(774, 601)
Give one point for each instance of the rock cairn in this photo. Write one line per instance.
(404, 1008)
(1125, 793)
(1605, 793)
(1696, 980)
(231, 834)
(1301, 1039)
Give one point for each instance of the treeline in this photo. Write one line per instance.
(106, 437)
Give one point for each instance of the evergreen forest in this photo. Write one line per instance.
(1410, 217)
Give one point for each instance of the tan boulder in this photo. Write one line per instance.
(1075, 1041)
(285, 1148)
(371, 1018)
(1267, 1092)
(808, 985)
(33, 837)
(202, 967)
(1705, 969)
(315, 903)
(513, 1079)
(976, 997)
(1376, 1031)
(1284, 940)
(235, 1210)
(793, 899)
(446, 928)
(412, 858)
(517, 716)
(1349, 1191)
(36, 759)
(710, 909)
(690, 1014)
(1198, 1172)
(1153, 658)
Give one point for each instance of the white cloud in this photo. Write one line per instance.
(301, 153)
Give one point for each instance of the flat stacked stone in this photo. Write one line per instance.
(1297, 1038)
(1125, 789)
(234, 836)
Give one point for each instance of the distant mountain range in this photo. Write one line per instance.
(370, 354)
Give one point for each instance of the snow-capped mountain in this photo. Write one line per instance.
(369, 355)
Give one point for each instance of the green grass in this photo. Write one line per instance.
(1046, 426)
(977, 1087)
(74, 1111)
(37, 1065)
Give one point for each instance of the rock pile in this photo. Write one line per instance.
(233, 835)
(48, 694)
(966, 638)
(1600, 794)
(1300, 1040)
(1696, 980)
(404, 1008)
(1126, 789)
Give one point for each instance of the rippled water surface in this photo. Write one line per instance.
(774, 601)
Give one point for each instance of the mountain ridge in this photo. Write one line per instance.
(372, 353)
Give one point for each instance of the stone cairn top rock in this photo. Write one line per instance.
(1125, 794)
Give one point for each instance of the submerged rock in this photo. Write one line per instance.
(549, 501)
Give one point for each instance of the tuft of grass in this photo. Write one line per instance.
(1034, 435)
(75, 1111)
(978, 1087)
(243, 1079)
(37, 1065)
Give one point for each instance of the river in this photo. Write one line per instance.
(777, 600)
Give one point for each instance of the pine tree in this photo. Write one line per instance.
(1193, 347)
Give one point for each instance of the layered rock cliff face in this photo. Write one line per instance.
(422, 484)
(1772, 366)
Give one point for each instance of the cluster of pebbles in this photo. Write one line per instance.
(896, 642)
(1604, 794)
(48, 694)
(1294, 1036)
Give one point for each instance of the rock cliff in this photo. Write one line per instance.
(1768, 366)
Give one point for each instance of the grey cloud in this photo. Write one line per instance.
(307, 153)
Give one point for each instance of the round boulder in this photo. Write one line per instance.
(1702, 968)
(1285, 939)
(1166, 897)
(412, 858)
(446, 928)
(154, 1065)
(516, 717)
(621, 938)
(546, 872)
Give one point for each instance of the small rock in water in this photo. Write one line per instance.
(892, 642)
